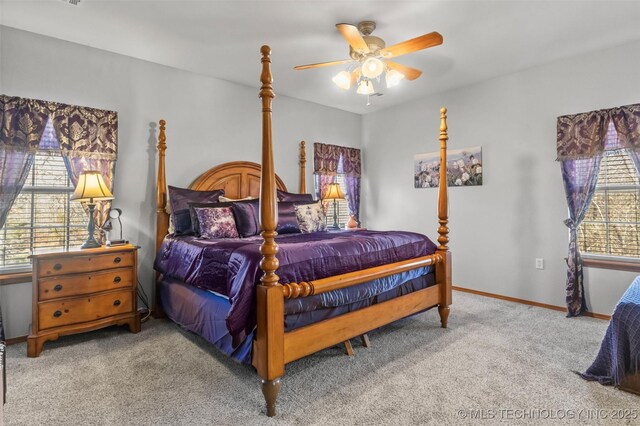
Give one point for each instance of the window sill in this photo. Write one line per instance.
(15, 277)
(618, 265)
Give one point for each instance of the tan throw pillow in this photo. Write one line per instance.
(224, 199)
(311, 217)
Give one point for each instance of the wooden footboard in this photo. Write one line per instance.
(273, 348)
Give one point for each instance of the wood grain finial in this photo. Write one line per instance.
(162, 138)
(303, 168)
(266, 91)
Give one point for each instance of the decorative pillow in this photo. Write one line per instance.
(311, 217)
(247, 218)
(296, 198)
(179, 199)
(287, 219)
(231, 200)
(216, 222)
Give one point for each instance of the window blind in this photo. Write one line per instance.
(612, 224)
(43, 216)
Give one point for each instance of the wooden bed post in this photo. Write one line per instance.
(162, 217)
(269, 344)
(303, 168)
(443, 269)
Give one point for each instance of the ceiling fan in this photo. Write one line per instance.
(370, 58)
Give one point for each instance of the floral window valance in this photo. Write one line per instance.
(81, 131)
(583, 135)
(327, 157)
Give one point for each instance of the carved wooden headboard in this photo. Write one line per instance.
(239, 179)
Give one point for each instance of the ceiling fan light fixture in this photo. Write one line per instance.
(365, 88)
(342, 80)
(393, 78)
(372, 67)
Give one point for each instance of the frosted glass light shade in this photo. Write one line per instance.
(372, 67)
(365, 88)
(393, 78)
(342, 80)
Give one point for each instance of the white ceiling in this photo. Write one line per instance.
(482, 39)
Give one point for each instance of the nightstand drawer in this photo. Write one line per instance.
(88, 263)
(79, 284)
(71, 311)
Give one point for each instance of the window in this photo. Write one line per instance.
(343, 206)
(42, 215)
(611, 226)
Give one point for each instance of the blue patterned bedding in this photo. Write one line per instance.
(620, 350)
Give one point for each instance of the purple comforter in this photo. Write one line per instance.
(231, 266)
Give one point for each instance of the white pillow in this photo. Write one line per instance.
(311, 217)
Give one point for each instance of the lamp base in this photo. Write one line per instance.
(91, 240)
(90, 243)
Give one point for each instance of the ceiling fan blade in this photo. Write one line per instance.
(353, 37)
(413, 45)
(322, 64)
(355, 74)
(408, 72)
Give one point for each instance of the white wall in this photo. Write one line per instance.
(498, 229)
(209, 121)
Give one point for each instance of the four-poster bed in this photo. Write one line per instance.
(422, 276)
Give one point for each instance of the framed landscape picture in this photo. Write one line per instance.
(464, 168)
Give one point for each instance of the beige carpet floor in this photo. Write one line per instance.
(498, 360)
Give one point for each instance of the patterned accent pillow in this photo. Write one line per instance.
(311, 217)
(216, 222)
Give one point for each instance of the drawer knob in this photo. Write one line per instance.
(58, 287)
(57, 314)
(57, 266)
(117, 260)
(117, 303)
(117, 279)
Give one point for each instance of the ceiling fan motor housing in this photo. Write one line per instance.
(375, 43)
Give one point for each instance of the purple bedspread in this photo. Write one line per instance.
(231, 266)
(620, 350)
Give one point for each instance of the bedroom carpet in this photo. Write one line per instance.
(494, 356)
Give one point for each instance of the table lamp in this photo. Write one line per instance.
(91, 187)
(334, 192)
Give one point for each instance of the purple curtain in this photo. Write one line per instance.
(86, 137)
(581, 141)
(626, 121)
(14, 170)
(75, 166)
(327, 159)
(580, 178)
(322, 183)
(22, 122)
(353, 196)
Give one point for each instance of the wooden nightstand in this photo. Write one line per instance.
(82, 290)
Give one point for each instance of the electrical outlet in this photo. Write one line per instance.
(539, 263)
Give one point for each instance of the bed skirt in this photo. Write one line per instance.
(204, 312)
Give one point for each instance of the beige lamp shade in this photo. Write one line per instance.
(91, 187)
(333, 192)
